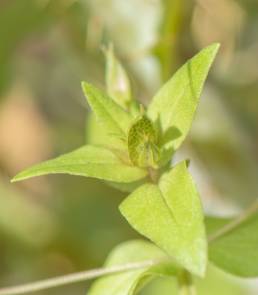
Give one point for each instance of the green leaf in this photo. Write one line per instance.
(142, 141)
(127, 187)
(97, 134)
(175, 103)
(90, 161)
(237, 251)
(112, 117)
(127, 283)
(117, 82)
(170, 215)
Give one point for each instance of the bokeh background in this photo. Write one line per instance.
(61, 224)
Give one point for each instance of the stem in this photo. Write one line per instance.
(153, 174)
(185, 284)
(76, 277)
(234, 223)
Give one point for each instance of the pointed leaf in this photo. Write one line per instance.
(97, 134)
(118, 84)
(171, 216)
(129, 282)
(237, 251)
(181, 196)
(175, 103)
(112, 117)
(90, 161)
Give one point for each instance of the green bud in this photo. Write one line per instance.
(142, 140)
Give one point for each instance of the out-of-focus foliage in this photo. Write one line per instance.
(46, 48)
(236, 251)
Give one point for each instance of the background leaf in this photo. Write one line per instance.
(18, 20)
(90, 161)
(171, 216)
(237, 251)
(127, 283)
(175, 103)
(117, 81)
(21, 218)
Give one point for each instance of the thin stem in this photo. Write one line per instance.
(185, 284)
(184, 279)
(76, 277)
(234, 223)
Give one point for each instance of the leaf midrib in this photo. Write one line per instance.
(110, 115)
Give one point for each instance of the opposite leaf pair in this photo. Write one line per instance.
(172, 108)
(166, 208)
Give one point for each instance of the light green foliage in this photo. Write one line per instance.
(119, 91)
(129, 282)
(175, 103)
(216, 282)
(129, 149)
(237, 251)
(97, 135)
(127, 187)
(142, 140)
(171, 216)
(117, 82)
(90, 161)
(182, 198)
(112, 117)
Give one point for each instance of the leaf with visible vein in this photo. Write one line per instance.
(129, 282)
(89, 161)
(112, 117)
(175, 103)
(170, 214)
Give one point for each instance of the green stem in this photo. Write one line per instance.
(234, 223)
(185, 284)
(76, 277)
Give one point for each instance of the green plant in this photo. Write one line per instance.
(133, 152)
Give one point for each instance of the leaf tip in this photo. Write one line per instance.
(13, 180)
(84, 86)
(16, 178)
(214, 47)
(87, 89)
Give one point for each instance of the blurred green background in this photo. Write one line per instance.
(61, 224)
